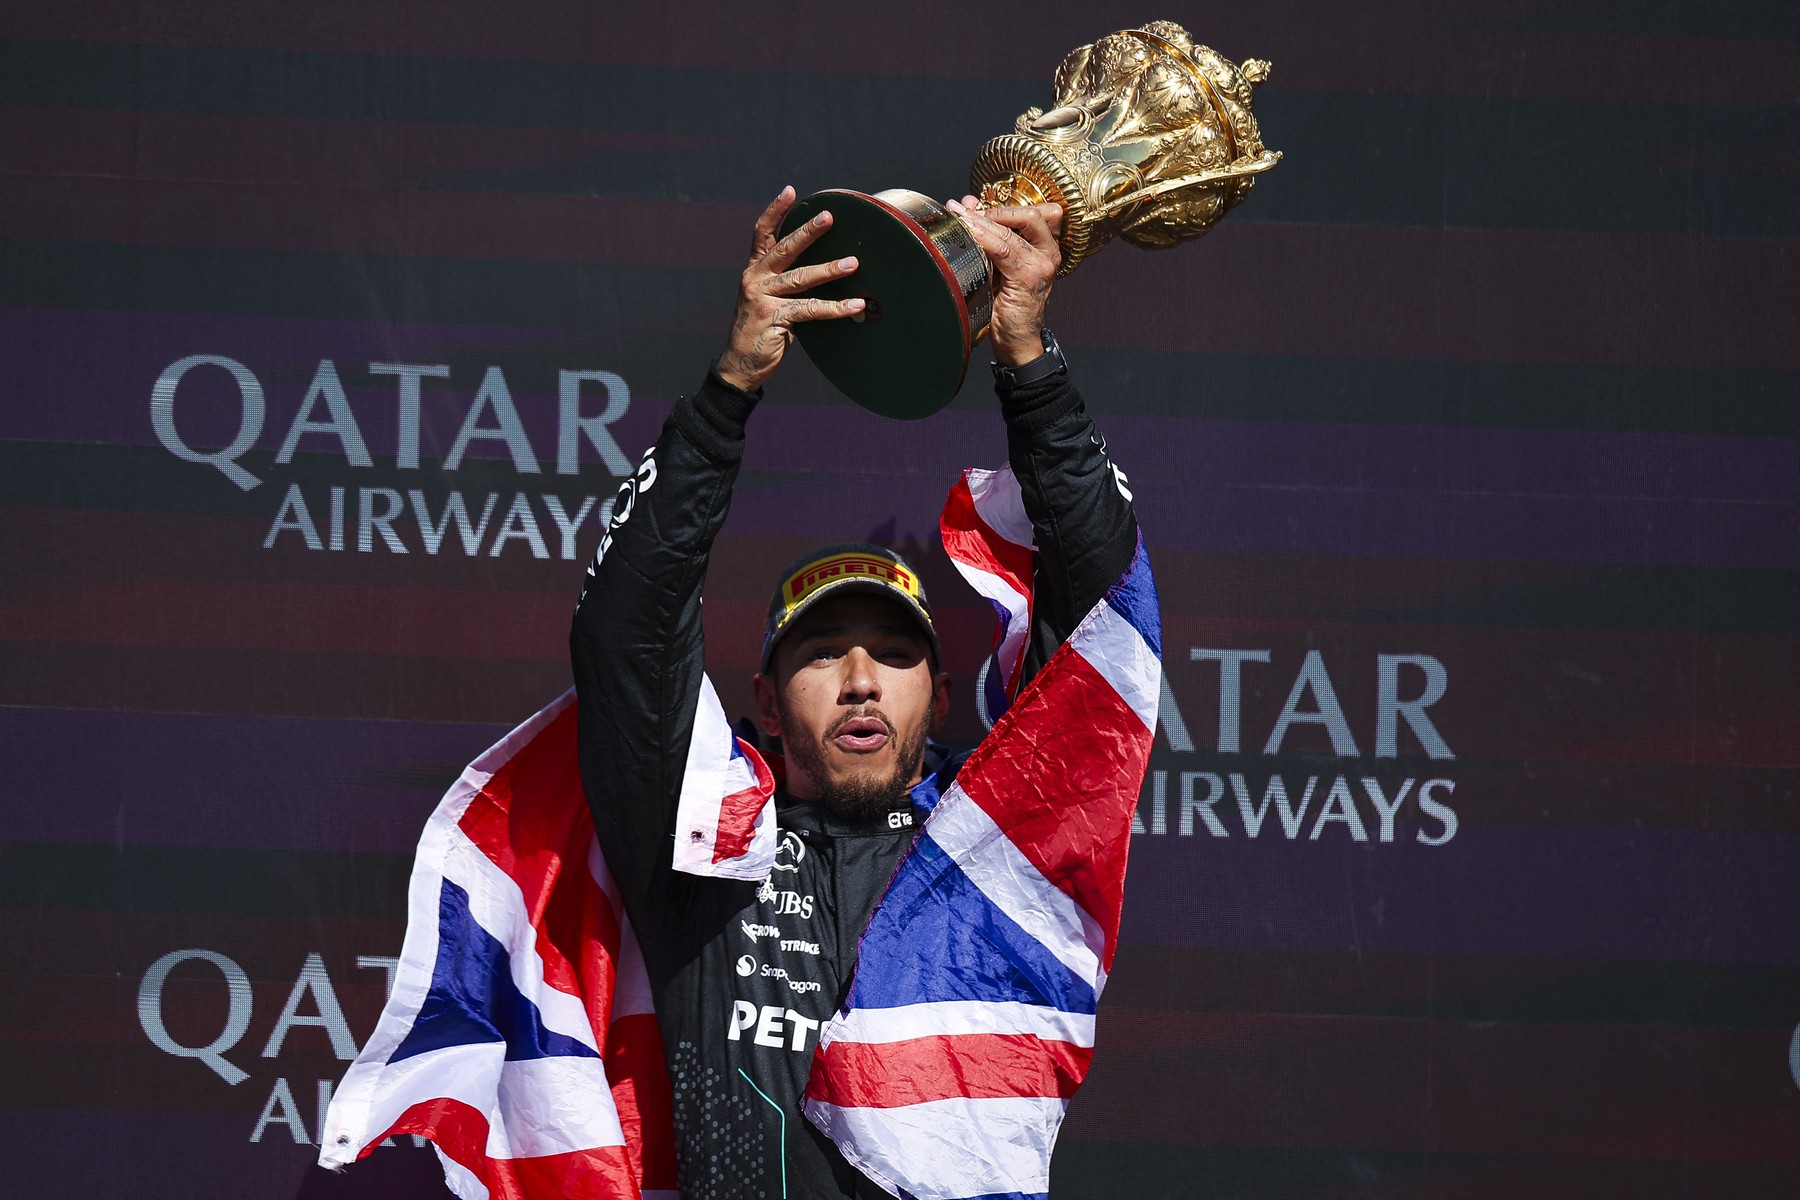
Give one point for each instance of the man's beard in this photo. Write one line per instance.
(860, 796)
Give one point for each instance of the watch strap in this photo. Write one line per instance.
(1049, 363)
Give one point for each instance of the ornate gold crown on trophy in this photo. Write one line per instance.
(1151, 140)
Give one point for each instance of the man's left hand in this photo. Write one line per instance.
(1022, 251)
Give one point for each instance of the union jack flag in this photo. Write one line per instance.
(970, 1021)
(520, 1036)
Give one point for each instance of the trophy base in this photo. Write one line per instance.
(926, 285)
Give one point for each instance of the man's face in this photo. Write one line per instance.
(852, 694)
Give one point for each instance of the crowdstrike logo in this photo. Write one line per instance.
(759, 931)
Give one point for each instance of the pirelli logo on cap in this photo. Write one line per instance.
(836, 568)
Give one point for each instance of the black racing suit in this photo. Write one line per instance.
(745, 974)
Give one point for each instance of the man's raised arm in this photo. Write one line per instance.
(637, 645)
(1080, 508)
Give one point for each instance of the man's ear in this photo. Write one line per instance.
(768, 704)
(940, 702)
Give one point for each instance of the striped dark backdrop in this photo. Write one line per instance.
(1485, 403)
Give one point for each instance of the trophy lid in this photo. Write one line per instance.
(925, 283)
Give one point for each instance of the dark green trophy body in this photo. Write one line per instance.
(926, 285)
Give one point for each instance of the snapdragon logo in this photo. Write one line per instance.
(361, 517)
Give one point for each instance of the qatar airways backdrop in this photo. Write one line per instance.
(1469, 863)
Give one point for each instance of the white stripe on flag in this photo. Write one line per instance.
(1001, 504)
(948, 1018)
(631, 987)
(603, 877)
(547, 1106)
(1006, 877)
(994, 587)
(978, 1147)
(499, 907)
(351, 1121)
(1017, 604)
(459, 1179)
(1112, 647)
(711, 774)
(475, 1073)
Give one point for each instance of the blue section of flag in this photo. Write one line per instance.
(473, 999)
(936, 937)
(926, 793)
(995, 681)
(1134, 598)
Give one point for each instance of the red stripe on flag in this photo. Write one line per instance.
(738, 811)
(640, 1089)
(532, 821)
(976, 1066)
(601, 1173)
(970, 539)
(1073, 738)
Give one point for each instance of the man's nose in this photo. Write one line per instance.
(861, 682)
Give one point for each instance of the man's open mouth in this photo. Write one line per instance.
(861, 735)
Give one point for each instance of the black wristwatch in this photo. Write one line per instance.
(1049, 363)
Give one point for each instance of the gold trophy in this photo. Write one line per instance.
(1151, 140)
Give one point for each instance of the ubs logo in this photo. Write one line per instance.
(791, 848)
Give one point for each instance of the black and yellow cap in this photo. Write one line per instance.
(841, 569)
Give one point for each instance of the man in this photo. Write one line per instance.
(745, 973)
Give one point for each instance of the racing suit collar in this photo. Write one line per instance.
(811, 816)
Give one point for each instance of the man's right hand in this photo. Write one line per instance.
(768, 305)
(1022, 251)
